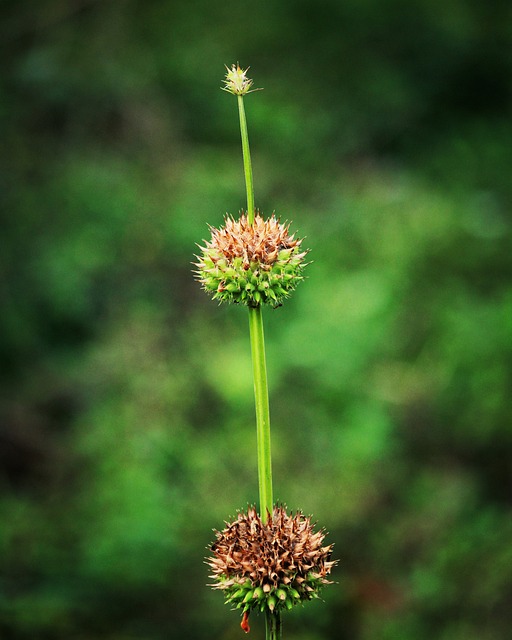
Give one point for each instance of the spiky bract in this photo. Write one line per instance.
(253, 264)
(270, 565)
(237, 82)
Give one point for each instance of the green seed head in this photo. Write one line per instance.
(237, 82)
(270, 566)
(252, 264)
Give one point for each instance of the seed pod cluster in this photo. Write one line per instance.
(237, 82)
(252, 264)
(273, 565)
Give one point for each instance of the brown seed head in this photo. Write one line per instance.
(273, 565)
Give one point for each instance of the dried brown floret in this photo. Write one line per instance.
(270, 565)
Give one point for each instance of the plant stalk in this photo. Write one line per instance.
(257, 338)
(273, 619)
(274, 627)
(247, 160)
(262, 411)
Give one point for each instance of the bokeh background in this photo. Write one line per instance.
(384, 134)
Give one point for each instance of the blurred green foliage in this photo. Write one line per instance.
(127, 427)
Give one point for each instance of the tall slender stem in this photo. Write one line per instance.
(259, 365)
(262, 410)
(258, 351)
(274, 627)
(247, 160)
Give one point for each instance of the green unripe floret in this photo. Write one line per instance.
(252, 264)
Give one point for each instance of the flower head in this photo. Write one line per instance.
(237, 81)
(251, 263)
(273, 565)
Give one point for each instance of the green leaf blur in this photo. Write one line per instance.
(126, 409)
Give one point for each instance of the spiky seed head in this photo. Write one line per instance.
(237, 82)
(252, 264)
(270, 565)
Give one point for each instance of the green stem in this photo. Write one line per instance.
(273, 619)
(262, 410)
(247, 160)
(274, 627)
(258, 350)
